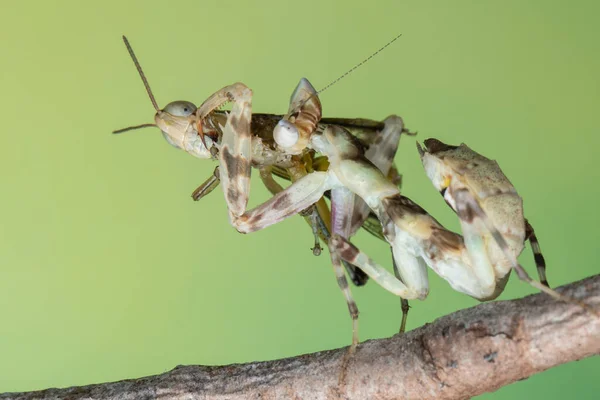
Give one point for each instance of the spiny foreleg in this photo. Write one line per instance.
(235, 152)
(295, 198)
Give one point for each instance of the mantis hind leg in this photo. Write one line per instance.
(469, 211)
(343, 284)
(347, 251)
(404, 306)
(540, 262)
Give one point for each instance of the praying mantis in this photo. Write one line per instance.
(352, 160)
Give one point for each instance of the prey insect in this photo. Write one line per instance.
(240, 140)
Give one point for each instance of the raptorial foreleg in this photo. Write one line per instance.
(235, 151)
(295, 198)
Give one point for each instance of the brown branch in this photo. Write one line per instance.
(463, 354)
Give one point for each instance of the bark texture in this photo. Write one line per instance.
(458, 356)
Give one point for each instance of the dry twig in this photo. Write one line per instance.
(458, 356)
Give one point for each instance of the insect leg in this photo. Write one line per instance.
(295, 198)
(266, 176)
(235, 151)
(367, 181)
(404, 307)
(540, 262)
(343, 284)
(292, 200)
(381, 153)
(322, 219)
(208, 186)
(385, 145)
(469, 210)
(342, 205)
(358, 277)
(318, 215)
(315, 226)
(347, 251)
(464, 264)
(314, 216)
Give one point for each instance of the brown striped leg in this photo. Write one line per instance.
(540, 262)
(404, 307)
(311, 215)
(299, 196)
(235, 151)
(318, 225)
(468, 210)
(343, 284)
(381, 153)
(347, 251)
(314, 224)
(208, 186)
(342, 206)
(403, 302)
(357, 276)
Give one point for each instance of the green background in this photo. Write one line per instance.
(109, 271)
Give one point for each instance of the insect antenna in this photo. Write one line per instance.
(148, 90)
(131, 128)
(358, 65)
(141, 72)
(345, 74)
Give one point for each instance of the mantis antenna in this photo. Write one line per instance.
(141, 72)
(345, 74)
(358, 65)
(146, 85)
(155, 104)
(131, 128)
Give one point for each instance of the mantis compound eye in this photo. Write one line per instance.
(180, 108)
(285, 134)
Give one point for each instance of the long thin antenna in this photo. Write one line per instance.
(358, 65)
(139, 68)
(131, 128)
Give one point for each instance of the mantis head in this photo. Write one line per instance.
(177, 121)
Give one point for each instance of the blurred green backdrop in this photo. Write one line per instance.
(108, 270)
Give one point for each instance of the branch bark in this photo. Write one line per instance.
(458, 356)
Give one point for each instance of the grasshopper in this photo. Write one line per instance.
(240, 140)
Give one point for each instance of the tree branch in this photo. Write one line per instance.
(461, 355)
